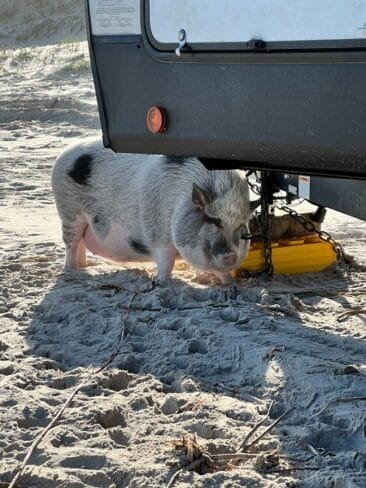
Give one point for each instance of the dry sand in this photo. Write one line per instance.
(194, 359)
(34, 22)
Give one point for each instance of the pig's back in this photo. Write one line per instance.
(90, 171)
(140, 191)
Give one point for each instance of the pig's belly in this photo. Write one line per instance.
(114, 246)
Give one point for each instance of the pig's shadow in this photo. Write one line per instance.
(263, 345)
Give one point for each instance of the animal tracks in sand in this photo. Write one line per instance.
(117, 381)
(111, 418)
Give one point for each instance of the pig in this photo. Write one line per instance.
(138, 207)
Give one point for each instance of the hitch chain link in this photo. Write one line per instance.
(266, 207)
(267, 249)
(264, 225)
(310, 227)
(267, 241)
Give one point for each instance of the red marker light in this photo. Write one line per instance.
(156, 119)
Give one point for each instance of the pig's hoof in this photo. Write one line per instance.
(154, 284)
(71, 274)
(70, 270)
(232, 291)
(160, 282)
(225, 278)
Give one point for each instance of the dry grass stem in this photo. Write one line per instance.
(341, 400)
(270, 354)
(243, 444)
(266, 431)
(197, 458)
(345, 315)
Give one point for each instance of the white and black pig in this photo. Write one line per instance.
(137, 207)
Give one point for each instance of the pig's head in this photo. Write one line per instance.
(208, 228)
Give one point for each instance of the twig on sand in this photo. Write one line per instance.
(191, 467)
(351, 399)
(348, 313)
(44, 432)
(341, 400)
(277, 421)
(244, 442)
(199, 458)
(244, 446)
(293, 468)
(72, 395)
(117, 288)
(121, 336)
(174, 477)
(271, 353)
(315, 452)
(236, 455)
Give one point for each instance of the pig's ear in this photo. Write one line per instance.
(198, 197)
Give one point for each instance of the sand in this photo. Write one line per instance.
(195, 359)
(34, 22)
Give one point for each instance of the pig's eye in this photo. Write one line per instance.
(243, 229)
(213, 220)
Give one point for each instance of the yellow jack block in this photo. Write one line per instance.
(291, 256)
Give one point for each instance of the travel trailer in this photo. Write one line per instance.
(277, 86)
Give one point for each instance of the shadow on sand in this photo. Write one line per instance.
(197, 359)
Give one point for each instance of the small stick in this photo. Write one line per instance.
(269, 428)
(243, 444)
(342, 400)
(313, 450)
(174, 477)
(236, 455)
(193, 465)
(351, 399)
(70, 398)
(120, 337)
(345, 315)
(294, 468)
(44, 432)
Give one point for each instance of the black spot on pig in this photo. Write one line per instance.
(171, 161)
(138, 246)
(101, 224)
(220, 247)
(82, 169)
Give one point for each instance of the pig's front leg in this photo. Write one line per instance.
(164, 257)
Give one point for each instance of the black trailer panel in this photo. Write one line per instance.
(301, 111)
(345, 195)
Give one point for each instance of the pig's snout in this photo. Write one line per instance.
(229, 259)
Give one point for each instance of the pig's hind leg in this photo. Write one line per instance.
(81, 255)
(73, 233)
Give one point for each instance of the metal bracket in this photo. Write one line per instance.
(182, 41)
(267, 191)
